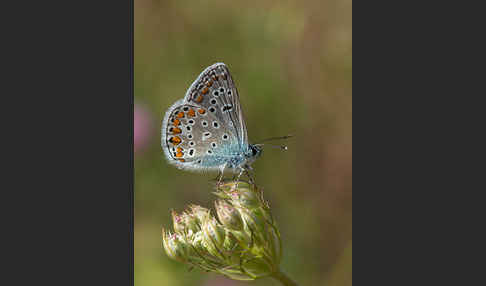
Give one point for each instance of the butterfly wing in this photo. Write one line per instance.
(215, 90)
(206, 129)
(195, 139)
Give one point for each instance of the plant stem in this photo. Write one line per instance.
(284, 279)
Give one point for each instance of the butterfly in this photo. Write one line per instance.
(206, 131)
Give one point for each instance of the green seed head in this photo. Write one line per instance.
(244, 244)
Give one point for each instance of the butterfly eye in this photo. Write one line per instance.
(254, 151)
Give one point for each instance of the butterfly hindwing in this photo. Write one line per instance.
(193, 138)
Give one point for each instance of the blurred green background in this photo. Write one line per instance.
(292, 64)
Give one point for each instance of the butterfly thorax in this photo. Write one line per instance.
(238, 158)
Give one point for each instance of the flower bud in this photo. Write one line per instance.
(174, 246)
(214, 235)
(228, 215)
(197, 241)
(200, 213)
(243, 194)
(178, 223)
(191, 223)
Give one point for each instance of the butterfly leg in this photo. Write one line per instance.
(220, 175)
(239, 175)
(250, 176)
(247, 169)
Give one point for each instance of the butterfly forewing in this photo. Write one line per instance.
(215, 90)
(238, 111)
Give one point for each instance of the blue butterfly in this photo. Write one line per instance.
(206, 131)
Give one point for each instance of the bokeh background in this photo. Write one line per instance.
(292, 64)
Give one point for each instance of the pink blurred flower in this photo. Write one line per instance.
(142, 127)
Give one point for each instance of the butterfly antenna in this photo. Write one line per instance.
(282, 147)
(276, 138)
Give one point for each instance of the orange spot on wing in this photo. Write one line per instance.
(199, 99)
(176, 130)
(205, 90)
(191, 112)
(201, 111)
(175, 140)
(177, 122)
(180, 114)
(179, 149)
(182, 160)
(209, 83)
(179, 154)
